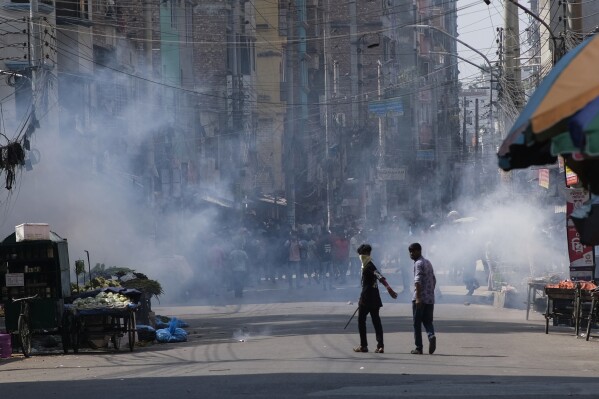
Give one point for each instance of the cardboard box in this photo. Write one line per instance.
(32, 231)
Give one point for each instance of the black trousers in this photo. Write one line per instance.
(376, 322)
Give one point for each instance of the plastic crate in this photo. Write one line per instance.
(32, 231)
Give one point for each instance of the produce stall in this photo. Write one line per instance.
(593, 314)
(566, 302)
(99, 315)
(34, 280)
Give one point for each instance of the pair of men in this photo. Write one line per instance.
(423, 300)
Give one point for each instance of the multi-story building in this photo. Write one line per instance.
(29, 67)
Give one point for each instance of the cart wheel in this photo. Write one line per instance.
(24, 334)
(131, 331)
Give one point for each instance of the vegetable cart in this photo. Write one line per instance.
(560, 306)
(566, 303)
(593, 315)
(93, 324)
(100, 319)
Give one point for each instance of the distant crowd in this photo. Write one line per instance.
(308, 255)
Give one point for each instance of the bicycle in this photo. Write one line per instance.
(23, 326)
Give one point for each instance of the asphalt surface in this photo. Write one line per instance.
(281, 343)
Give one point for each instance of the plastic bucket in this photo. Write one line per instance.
(5, 346)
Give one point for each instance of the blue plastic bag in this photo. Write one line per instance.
(172, 333)
(162, 324)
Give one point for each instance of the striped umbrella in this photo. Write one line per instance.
(561, 117)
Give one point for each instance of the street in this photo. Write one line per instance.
(260, 349)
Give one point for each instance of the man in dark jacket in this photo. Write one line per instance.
(370, 300)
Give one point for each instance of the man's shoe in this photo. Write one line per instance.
(379, 350)
(432, 344)
(360, 349)
(416, 351)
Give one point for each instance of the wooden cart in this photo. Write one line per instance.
(82, 325)
(566, 305)
(593, 314)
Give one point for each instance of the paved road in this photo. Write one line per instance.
(297, 348)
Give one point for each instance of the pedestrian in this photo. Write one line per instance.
(293, 260)
(324, 247)
(239, 268)
(354, 259)
(340, 256)
(370, 300)
(423, 301)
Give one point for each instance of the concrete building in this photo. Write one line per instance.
(28, 65)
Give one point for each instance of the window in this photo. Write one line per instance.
(282, 18)
(72, 9)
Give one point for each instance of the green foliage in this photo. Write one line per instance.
(104, 277)
(79, 267)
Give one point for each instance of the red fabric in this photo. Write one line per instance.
(340, 249)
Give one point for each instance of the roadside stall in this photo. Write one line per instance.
(567, 301)
(593, 314)
(101, 316)
(34, 280)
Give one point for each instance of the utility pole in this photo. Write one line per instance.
(512, 55)
(477, 170)
(355, 45)
(326, 115)
(290, 126)
(34, 48)
(464, 146)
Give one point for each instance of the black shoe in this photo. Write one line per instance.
(379, 350)
(416, 351)
(432, 345)
(361, 349)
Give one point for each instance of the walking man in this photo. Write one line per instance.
(370, 300)
(423, 301)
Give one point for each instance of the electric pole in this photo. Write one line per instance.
(288, 159)
(326, 116)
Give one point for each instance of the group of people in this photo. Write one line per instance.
(423, 300)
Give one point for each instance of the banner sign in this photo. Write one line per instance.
(582, 257)
(15, 279)
(391, 174)
(385, 106)
(425, 155)
(571, 177)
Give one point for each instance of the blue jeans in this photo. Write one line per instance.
(422, 316)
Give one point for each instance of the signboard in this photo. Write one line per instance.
(544, 178)
(425, 155)
(391, 174)
(571, 177)
(582, 257)
(15, 279)
(385, 106)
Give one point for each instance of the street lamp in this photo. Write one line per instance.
(484, 57)
(89, 268)
(454, 38)
(554, 56)
(493, 74)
